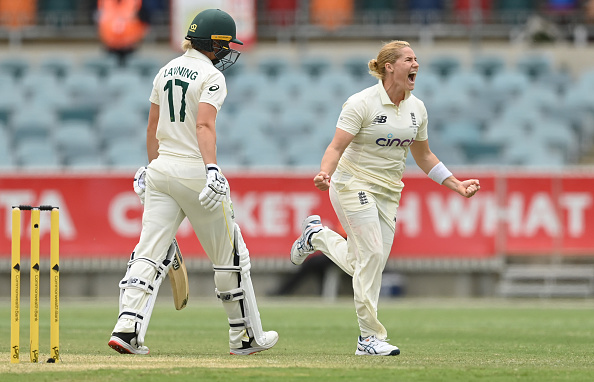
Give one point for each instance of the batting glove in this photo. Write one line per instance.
(139, 185)
(216, 188)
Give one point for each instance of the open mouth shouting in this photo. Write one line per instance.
(411, 77)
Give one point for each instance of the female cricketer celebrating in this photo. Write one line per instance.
(363, 167)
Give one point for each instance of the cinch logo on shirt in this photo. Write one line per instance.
(390, 141)
(380, 119)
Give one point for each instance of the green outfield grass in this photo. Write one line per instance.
(440, 340)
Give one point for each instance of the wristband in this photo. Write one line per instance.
(439, 173)
(212, 167)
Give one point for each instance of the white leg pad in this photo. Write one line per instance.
(244, 294)
(252, 312)
(229, 296)
(240, 323)
(142, 316)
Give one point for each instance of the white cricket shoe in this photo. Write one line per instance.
(374, 346)
(253, 347)
(125, 343)
(302, 247)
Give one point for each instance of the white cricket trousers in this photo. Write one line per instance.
(367, 213)
(173, 186)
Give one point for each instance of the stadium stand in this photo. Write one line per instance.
(34, 152)
(76, 140)
(479, 108)
(14, 66)
(484, 107)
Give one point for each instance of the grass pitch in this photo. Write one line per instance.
(440, 340)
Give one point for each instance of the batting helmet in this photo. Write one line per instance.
(212, 30)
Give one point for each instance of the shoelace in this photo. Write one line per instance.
(373, 340)
(367, 344)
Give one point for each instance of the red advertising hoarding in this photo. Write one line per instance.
(519, 213)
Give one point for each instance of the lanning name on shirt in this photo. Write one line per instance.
(181, 71)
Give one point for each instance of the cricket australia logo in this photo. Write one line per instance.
(363, 198)
(380, 119)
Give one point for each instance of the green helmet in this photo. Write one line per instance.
(213, 24)
(212, 30)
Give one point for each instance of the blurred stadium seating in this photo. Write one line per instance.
(282, 112)
(505, 117)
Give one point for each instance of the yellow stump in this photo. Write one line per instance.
(15, 279)
(34, 319)
(55, 285)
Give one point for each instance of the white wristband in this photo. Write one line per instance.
(439, 173)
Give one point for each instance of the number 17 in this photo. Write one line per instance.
(182, 110)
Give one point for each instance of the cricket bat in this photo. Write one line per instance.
(178, 275)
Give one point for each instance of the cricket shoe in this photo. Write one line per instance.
(252, 346)
(374, 346)
(125, 343)
(302, 246)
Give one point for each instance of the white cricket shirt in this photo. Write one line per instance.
(178, 88)
(383, 133)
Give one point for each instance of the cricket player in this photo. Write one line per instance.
(183, 180)
(362, 167)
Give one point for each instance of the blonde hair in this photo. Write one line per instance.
(186, 45)
(389, 53)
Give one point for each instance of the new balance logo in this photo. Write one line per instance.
(363, 198)
(380, 119)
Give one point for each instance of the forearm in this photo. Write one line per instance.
(452, 183)
(431, 165)
(152, 148)
(331, 157)
(427, 162)
(330, 160)
(437, 171)
(207, 140)
(152, 143)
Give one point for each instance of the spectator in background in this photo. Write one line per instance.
(365, 160)
(123, 24)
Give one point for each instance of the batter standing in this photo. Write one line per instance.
(187, 94)
(362, 167)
